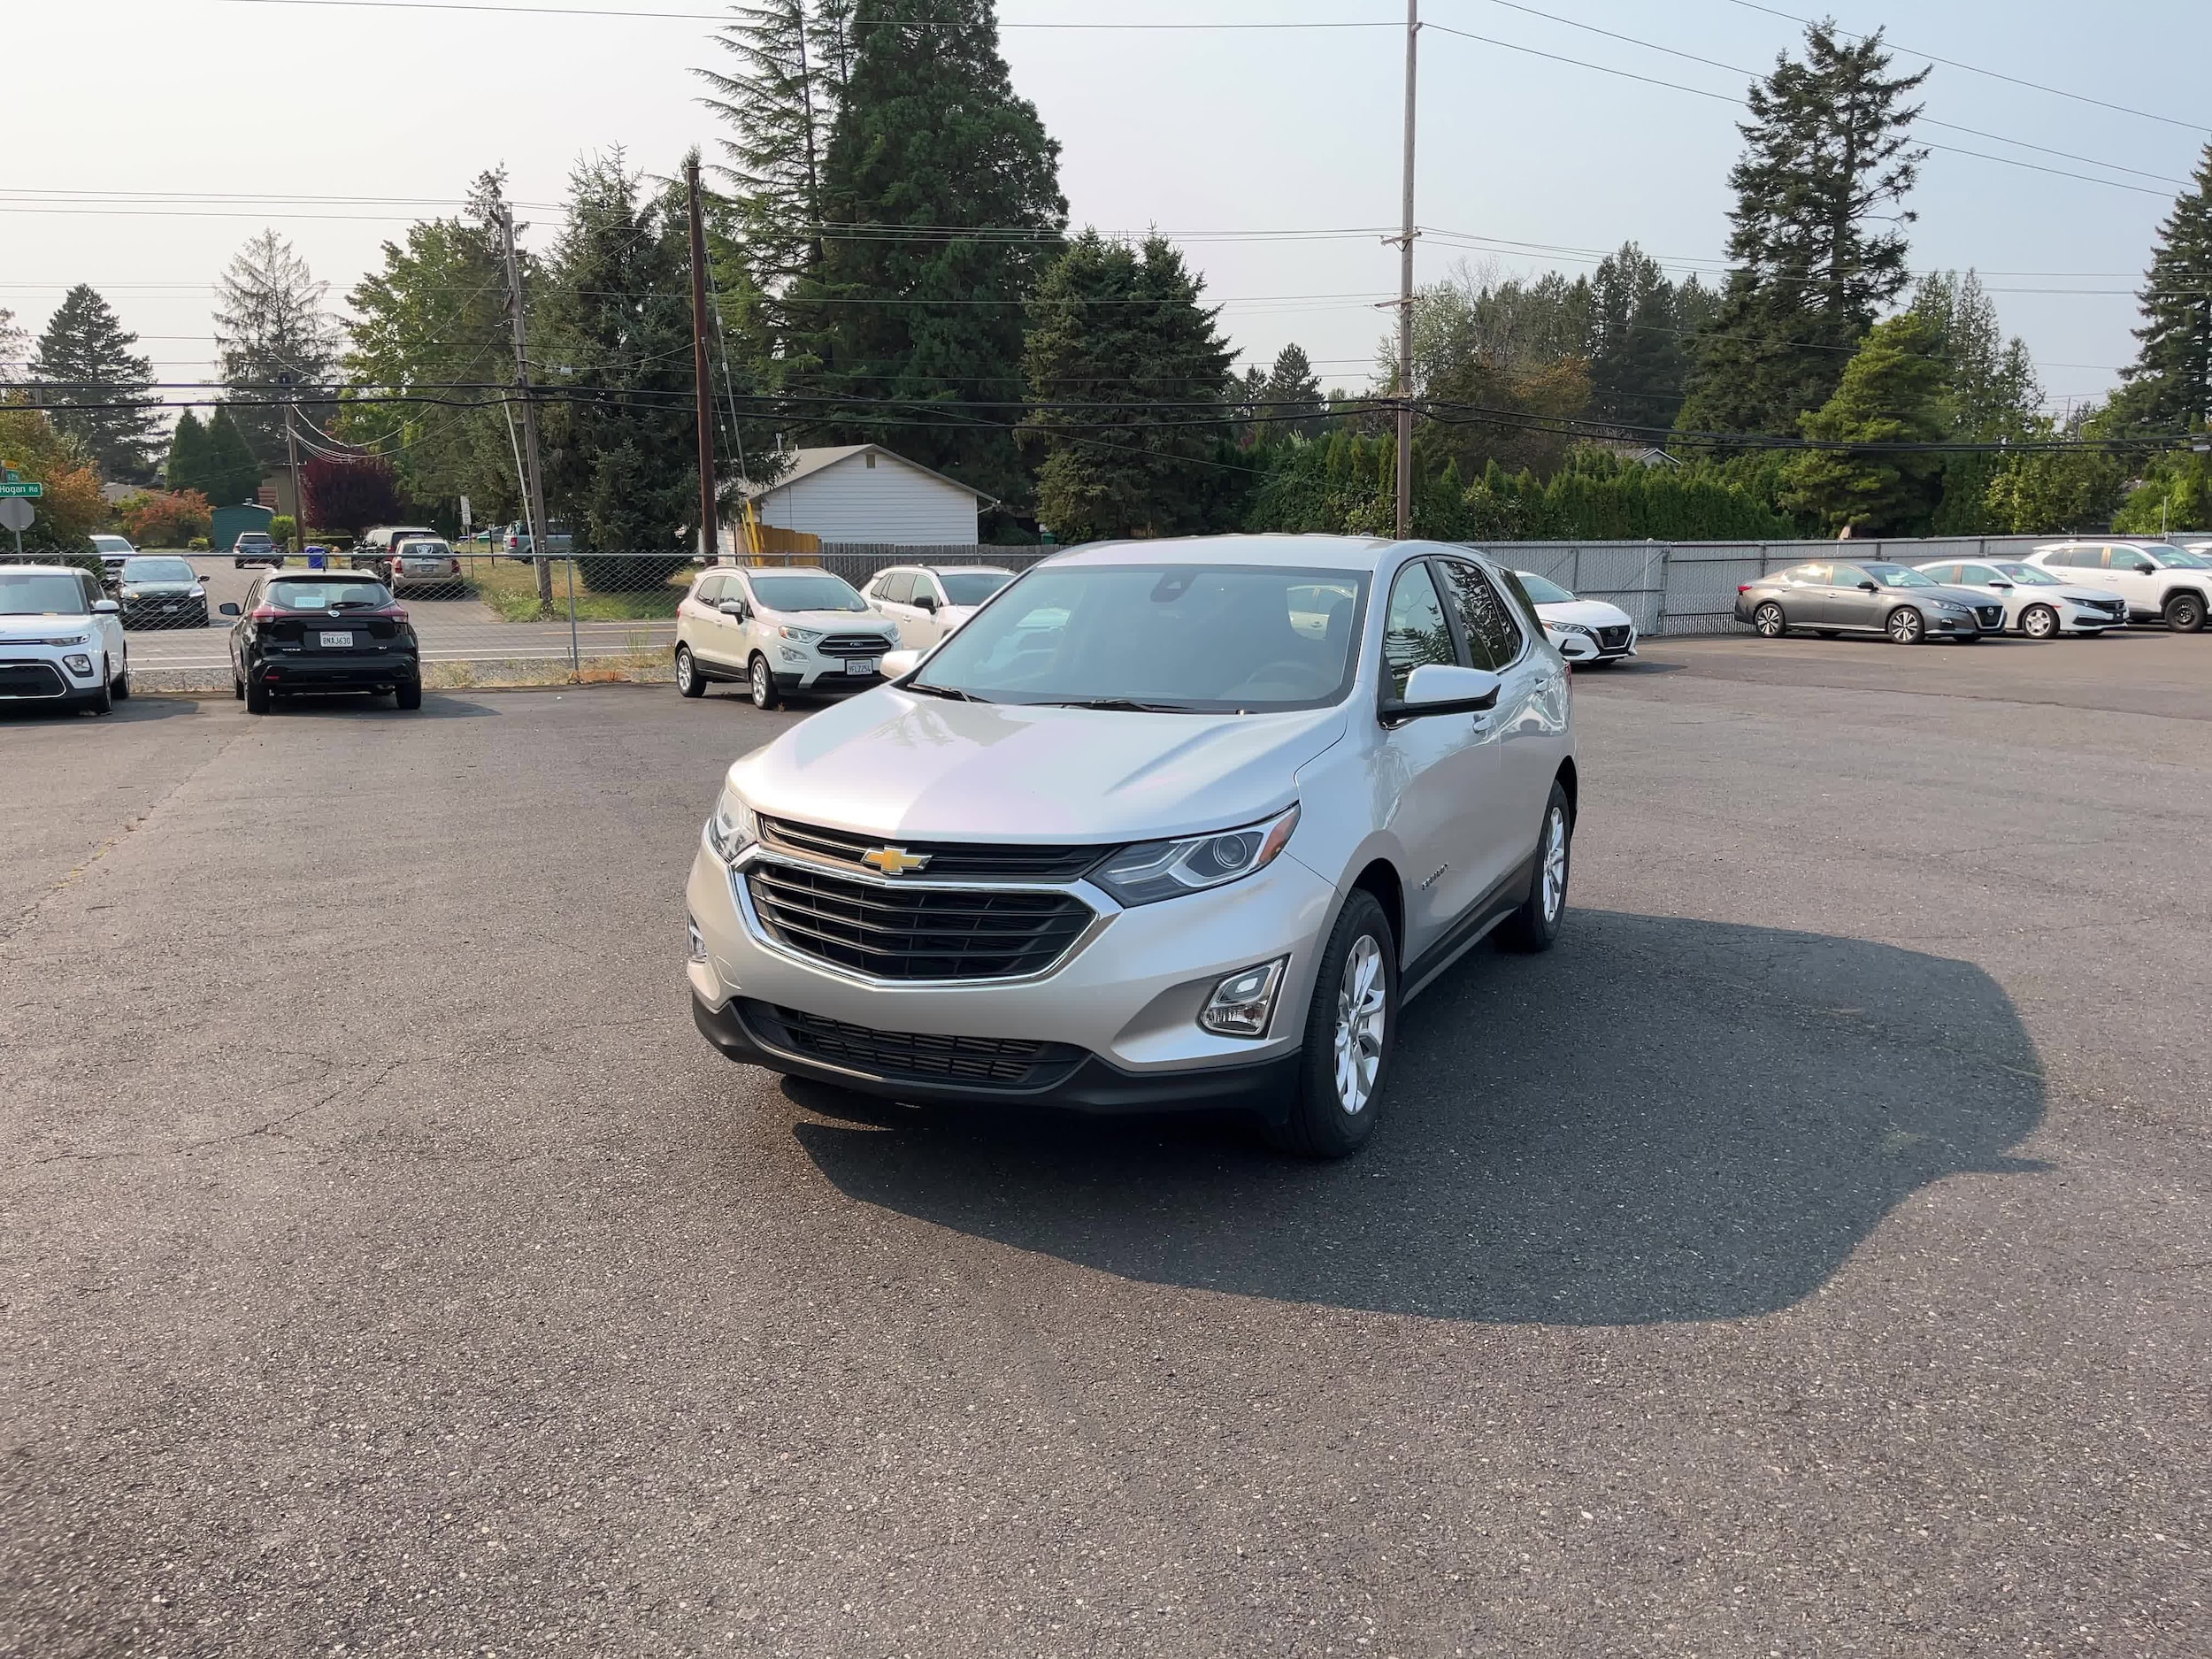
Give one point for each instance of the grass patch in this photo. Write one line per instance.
(511, 590)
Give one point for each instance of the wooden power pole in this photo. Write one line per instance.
(533, 475)
(1405, 286)
(709, 540)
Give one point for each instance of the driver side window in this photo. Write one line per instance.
(1414, 633)
(897, 588)
(1494, 639)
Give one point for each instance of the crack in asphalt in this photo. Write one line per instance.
(274, 1129)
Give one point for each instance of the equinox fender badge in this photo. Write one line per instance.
(894, 861)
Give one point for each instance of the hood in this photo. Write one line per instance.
(888, 763)
(2068, 590)
(43, 627)
(834, 621)
(1591, 613)
(1973, 598)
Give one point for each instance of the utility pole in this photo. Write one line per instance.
(532, 475)
(292, 455)
(1405, 286)
(709, 540)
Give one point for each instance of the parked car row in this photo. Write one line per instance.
(2086, 587)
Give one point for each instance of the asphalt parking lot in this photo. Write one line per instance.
(1807, 1257)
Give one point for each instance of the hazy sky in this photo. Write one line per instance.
(1205, 135)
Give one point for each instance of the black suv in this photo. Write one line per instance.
(306, 630)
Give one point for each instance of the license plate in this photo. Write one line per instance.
(337, 641)
(860, 665)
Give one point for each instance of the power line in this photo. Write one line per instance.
(1976, 69)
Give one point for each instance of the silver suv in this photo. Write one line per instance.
(1169, 824)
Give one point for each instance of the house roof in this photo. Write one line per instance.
(805, 463)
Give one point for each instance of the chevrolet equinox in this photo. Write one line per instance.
(1169, 824)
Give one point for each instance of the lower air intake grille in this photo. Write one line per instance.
(1613, 639)
(31, 679)
(893, 933)
(1008, 1063)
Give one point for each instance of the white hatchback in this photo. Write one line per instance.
(1588, 631)
(779, 632)
(61, 638)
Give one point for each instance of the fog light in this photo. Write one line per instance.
(698, 944)
(1242, 1004)
(77, 663)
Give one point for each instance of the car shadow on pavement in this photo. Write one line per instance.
(435, 706)
(150, 707)
(1661, 1120)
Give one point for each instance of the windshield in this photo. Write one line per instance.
(113, 544)
(1190, 639)
(159, 571)
(2183, 559)
(37, 594)
(1898, 576)
(2029, 576)
(334, 593)
(253, 538)
(824, 592)
(1543, 593)
(971, 588)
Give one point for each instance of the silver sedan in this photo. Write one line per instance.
(1866, 596)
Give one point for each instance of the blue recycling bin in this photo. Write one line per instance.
(314, 559)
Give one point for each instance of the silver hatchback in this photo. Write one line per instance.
(1169, 824)
(1832, 597)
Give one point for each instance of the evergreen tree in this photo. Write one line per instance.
(1827, 152)
(782, 103)
(1291, 397)
(1892, 392)
(232, 473)
(270, 323)
(14, 343)
(1641, 327)
(2168, 386)
(85, 359)
(1992, 393)
(1117, 330)
(621, 467)
(186, 467)
(948, 187)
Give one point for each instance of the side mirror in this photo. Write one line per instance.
(928, 602)
(1869, 587)
(898, 665)
(2005, 587)
(1445, 688)
(106, 608)
(227, 609)
(733, 608)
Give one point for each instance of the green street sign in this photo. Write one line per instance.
(22, 490)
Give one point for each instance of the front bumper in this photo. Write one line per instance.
(41, 673)
(829, 680)
(1124, 1001)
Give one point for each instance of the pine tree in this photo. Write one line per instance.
(85, 359)
(622, 469)
(272, 332)
(14, 343)
(1827, 151)
(232, 473)
(947, 187)
(1641, 325)
(1991, 394)
(186, 467)
(2168, 386)
(1892, 392)
(782, 103)
(1291, 397)
(1117, 331)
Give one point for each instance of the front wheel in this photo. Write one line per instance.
(1769, 622)
(689, 680)
(2184, 613)
(1906, 625)
(761, 681)
(2039, 622)
(1351, 1028)
(1535, 925)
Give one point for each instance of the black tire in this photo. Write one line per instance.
(1905, 626)
(761, 680)
(1768, 621)
(689, 680)
(237, 687)
(407, 695)
(2184, 613)
(1362, 954)
(257, 698)
(102, 700)
(1535, 927)
(119, 688)
(2039, 622)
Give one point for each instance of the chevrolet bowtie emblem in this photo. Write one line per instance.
(894, 861)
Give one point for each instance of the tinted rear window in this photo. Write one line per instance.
(323, 593)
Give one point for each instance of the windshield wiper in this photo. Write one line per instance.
(952, 692)
(1113, 705)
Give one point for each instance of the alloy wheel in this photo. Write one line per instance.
(1906, 625)
(1768, 621)
(1554, 864)
(2040, 622)
(1360, 1010)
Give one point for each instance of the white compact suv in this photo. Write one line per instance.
(779, 632)
(1170, 824)
(927, 601)
(2161, 582)
(61, 638)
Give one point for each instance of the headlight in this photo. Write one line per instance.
(733, 828)
(1152, 871)
(130, 593)
(800, 633)
(1571, 627)
(197, 593)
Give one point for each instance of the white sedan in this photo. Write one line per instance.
(1588, 631)
(2037, 604)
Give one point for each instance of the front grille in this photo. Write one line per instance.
(891, 932)
(1007, 1062)
(1613, 639)
(1990, 616)
(31, 679)
(2111, 607)
(853, 645)
(968, 861)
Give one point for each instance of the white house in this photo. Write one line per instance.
(861, 492)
